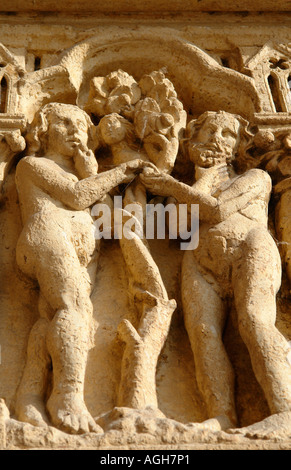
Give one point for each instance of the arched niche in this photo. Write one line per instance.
(10, 72)
(201, 83)
(4, 90)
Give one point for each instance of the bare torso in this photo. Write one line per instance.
(220, 244)
(49, 223)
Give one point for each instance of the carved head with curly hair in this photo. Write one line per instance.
(217, 137)
(66, 130)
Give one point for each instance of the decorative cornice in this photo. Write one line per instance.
(124, 6)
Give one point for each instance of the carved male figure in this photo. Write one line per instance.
(57, 183)
(236, 261)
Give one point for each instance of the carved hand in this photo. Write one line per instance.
(158, 183)
(82, 150)
(85, 161)
(215, 174)
(137, 166)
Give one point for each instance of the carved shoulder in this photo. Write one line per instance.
(25, 167)
(261, 177)
(33, 164)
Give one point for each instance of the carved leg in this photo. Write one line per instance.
(30, 406)
(256, 280)
(204, 314)
(68, 343)
(143, 344)
(66, 285)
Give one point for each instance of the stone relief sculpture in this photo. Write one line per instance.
(57, 182)
(237, 262)
(140, 124)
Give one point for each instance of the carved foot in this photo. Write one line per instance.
(69, 413)
(30, 409)
(275, 426)
(220, 423)
(131, 421)
(153, 422)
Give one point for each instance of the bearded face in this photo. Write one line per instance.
(215, 142)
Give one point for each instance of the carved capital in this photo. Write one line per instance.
(11, 142)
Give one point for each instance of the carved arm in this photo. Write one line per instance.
(78, 195)
(211, 209)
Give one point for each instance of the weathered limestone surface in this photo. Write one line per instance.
(133, 342)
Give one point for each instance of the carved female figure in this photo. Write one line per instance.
(236, 261)
(57, 183)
